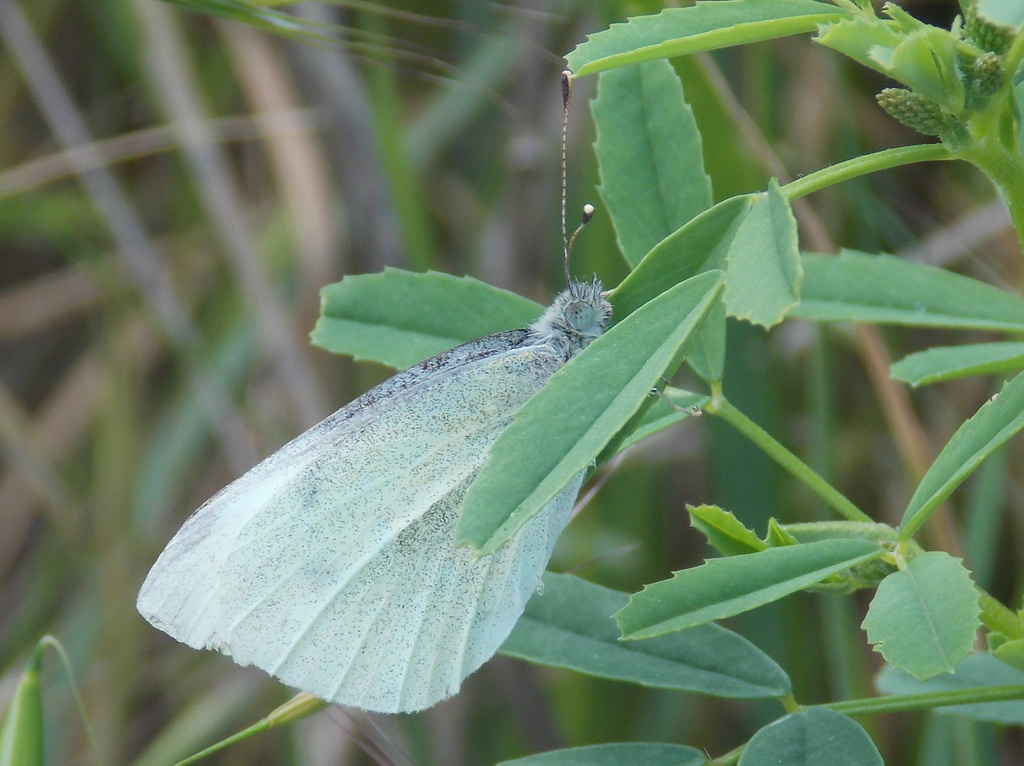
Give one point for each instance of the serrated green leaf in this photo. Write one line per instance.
(925, 60)
(777, 535)
(728, 586)
(399, 318)
(559, 431)
(918, 55)
(978, 671)
(724, 532)
(752, 236)
(923, 619)
(649, 154)
(950, 362)
(616, 754)
(701, 27)
(883, 289)
(992, 425)
(813, 737)
(857, 37)
(569, 625)
(763, 270)
(1010, 651)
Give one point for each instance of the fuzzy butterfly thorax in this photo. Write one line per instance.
(576, 317)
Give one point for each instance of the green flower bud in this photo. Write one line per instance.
(987, 35)
(914, 110)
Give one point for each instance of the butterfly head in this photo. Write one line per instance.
(577, 316)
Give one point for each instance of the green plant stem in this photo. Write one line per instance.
(721, 406)
(868, 163)
(298, 707)
(900, 703)
(1005, 169)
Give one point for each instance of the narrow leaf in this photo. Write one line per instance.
(883, 289)
(978, 671)
(399, 318)
(649, 154)
(701, 27)
(617, 754)
(949, 362)
(569, 625)
(813, 737)
(559, 432)
(725, 533)
(21, 733)
(700, 245)
(992, 425)
(923, 619)
(728, 586)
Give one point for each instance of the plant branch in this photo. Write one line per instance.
(869, 163)
(720, 406)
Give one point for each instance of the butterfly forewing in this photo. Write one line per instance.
(331, 564)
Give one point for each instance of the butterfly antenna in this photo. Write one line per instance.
(566, 94)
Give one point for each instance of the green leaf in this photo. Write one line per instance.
(752, 236)
(728, 586)
(883, 289)
(1009, 12)
(559, 432)
(978, 671)
(21, 733)
(918, 55)
(724, 532)
(1008, 650)
(399, 318)
(813, 737)
(569, 625)
(992, 425)
(701, 27)
(923, 619)
(707, 358)
(700, 245)
(950, 362)
(617, 754)
(649, 154)
(764, 273)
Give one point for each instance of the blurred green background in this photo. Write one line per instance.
(174, 190)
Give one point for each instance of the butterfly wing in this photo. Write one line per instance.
(331, 564)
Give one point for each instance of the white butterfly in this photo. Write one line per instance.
(332, 566)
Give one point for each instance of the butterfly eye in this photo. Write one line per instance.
(580, 315)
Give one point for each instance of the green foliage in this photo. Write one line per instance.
(572, 419)
(812, 737)
(923, 618)
(728, 586)
(616, 755)
(701, 243)
(399, 318)
(568, 625)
